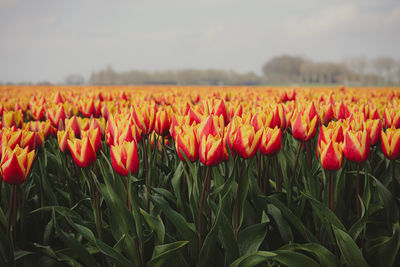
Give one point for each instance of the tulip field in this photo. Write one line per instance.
(199, 176)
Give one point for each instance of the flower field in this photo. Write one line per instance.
(199, 176)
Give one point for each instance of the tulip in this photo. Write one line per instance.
(95, 138)
(12, 118)
(211, 150)
(271, 141)
(374, 128)
(303, 128)
(99, 123)
(219, 109)
(186, 142)
(56, 114)
(16, 164)
(212, 125)
(9, 138)
(63, 137)
(334, 132)
(82, 151)
(356, 145)
(144, 118)
(37, 112)
(331, 155)
(124, 158)
(163, 122)
(28, 139)
(247, 141)
(392, 118)
(87, 108)
(72, 124)
(391, 143)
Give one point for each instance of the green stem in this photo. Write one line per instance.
(358, 190)
(128, 201)
(10, 207)
(266, 177)
(237, 208)
(393, 192)
(146, 166)
(295, 167)
(331, 189)
(201, 207)
(278, 175)
(94, 192)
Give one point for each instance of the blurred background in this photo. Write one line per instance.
(205, 42)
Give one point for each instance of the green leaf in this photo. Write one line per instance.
(181, 225)
(253, 259)
(251, 238)
(155, 224)
(163, 253)
(113, 253)
(19, 254)
(283, 227)
(228, 240)
(207, 252)
(351, 253)
(177, 185)
(360, 224)
(322, 254)
(384, 250)
(292, 218)
(292, 258)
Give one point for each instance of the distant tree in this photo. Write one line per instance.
(384, 66)
(284, 68)
(74, 79)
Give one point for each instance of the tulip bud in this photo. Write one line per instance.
(163, 122)
(374, 128)
(187, 142)
(331, 155)
(144, 117)
(211, 150)
(63, 137)
(95, 138)
(356, 145)
(391, 143)
(56, 114)
(16, 164)
(271, 141)
(303, 128)
(82, 151)
(124, 158)
(247, 141)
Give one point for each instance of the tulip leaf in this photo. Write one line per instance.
(253, 259)
(177, 185)
(295, 259)
(228, 239)
(361, 223)
(351, 253)
(163, 253)
(156, 224)
(322, 254)
(207, 251)
(384, 249)
(251, 238)
(183, 228)
(283, 227)
(292, 218)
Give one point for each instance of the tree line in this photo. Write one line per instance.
(284, 69)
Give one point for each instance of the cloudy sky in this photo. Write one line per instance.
(49, 39)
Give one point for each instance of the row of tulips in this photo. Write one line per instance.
(228, 147)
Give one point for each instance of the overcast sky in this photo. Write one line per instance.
(49, 39)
